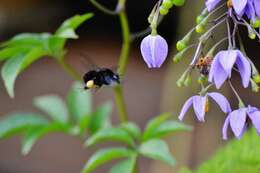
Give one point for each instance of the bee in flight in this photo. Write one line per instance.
(95, 79)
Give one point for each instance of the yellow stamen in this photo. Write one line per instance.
(229, 4)
(207, 105)
(90, 84)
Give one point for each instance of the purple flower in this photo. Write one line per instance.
(200, 105)
(211, 4)
(154, 50)
(249, 7)
(239, 119)
(223, 63)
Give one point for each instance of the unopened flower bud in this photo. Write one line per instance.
(154, 49)
(255, 87)
(163, 10)
(178, 57)
(178, 2)
(181, 45)
(202, 79)
(180, 83)
(188, 81)
(256, 23)
(199, 19)
(167, 4)
(251, 33)
(200, 28)
(256, 78)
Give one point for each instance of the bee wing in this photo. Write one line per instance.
(87, 61)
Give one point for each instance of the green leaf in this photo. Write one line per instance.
(27, 40)
(154, 123)
(32, 56)
(53, 106)
(10, 71)
(104, 155)
(237, 156)
(17, 123)
(79, 102)
(100, 118)
(132, 129)
(125, 166)
(32, 135)
(167, 128)
(11, 52)
(110, 134)
(68, 33)
(15, 65)
(66, 30)
(158, 150)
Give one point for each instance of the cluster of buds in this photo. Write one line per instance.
(215, 66)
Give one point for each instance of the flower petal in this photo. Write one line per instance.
(154, 50)
(220, 76)
(185, 108)
(244, 69)
(199, 106)
(257, 7)
(160, 51)
(225, 128)
(227, 59)
(221, 101)
(237, 121)
(250, 10)
(213, 68)
(211, 4)
(146, 50)
(255, 118)
(239, 6)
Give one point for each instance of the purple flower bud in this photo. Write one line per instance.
(154, 49)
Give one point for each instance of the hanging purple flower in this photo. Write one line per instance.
(223, 63)
(249, 7)
(200, 105)
(211, 4)
(154, 50)
(239, 119)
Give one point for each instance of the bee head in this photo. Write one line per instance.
(116, 78)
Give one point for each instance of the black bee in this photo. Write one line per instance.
(99, 77)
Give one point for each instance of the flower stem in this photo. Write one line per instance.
(69, 69)
(123, 60)
(103, 9)
(241, 103)
(124, 56)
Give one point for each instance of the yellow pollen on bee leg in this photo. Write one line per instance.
(229, 4)
(207, 106)
(90, 84)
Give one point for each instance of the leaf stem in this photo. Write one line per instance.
(123, 60)
(103, 8)
(69, 69)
